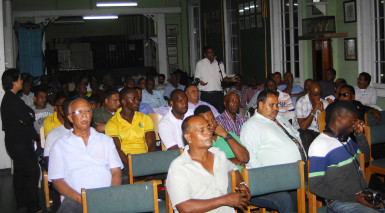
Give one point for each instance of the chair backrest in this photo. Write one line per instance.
(155, 120)
(321, 121)
(277, 178)
(369, 119)
(42, 138)
(150, 163)
(374, 132)
(142, 197)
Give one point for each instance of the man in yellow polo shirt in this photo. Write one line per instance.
(55, 119)
(132, 131)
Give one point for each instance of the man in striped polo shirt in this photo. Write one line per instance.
(335, 172)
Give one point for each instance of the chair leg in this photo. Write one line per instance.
(46, 189)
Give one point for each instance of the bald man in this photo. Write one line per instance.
(229, 119)
(306, 112)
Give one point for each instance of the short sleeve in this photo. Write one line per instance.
(299, 110)
(198, 70)
(56, 163)
(114, 160)
(178, 186)
(148, 125)
(167, 134)
(112, 128)
(48, 143)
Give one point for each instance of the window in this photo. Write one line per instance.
(378, 41)
(195, 34)
(286, 49)
(231, 36)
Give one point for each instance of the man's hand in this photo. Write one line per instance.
(234, 79)
(100, 127)
(377, 116)
(220, 131)
(238, 199)
(242, 187)
(360, 198)
(358, 127)
(319, 105)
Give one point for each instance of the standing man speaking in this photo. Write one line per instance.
(209, 73)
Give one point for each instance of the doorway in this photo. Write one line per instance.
(322, 58)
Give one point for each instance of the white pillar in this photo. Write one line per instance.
(8, 34)
(162, 53)
(5, 161)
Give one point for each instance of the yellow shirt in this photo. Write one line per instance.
(50, 123)
(132, 136)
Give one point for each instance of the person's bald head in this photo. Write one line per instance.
(315, 91)
(232, 103)
(80, 114)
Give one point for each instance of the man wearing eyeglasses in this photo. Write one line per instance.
(82, 158)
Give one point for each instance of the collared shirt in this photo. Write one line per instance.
(295, 90)
(41, 115)
(101, 115)
(247, 95)
(50, 123)
(267, 143)
(224, 147)
(238, 92)
(170, 88)
(228, 123)
(366, 96)
(53, 136)
(145, 108)
(253, 102)
(284, 103)
(155, 100)
(132, 135)
(170, 129)
(83, 166)
(187, 179)
(303, 109)
(28, 99)
(209, 73)
(161, 86)
(164, 110)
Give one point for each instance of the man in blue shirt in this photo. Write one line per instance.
(143, 107)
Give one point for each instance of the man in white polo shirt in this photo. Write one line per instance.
(170, 130)
(365, 94)
(82, 158)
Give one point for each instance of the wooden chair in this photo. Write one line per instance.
(152, 163)
(155, 120)
(375, 135)
(321, 121)
(316, 205)
(45, 173)
(268, 179)
(123, 198)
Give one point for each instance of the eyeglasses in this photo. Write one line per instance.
(81, 112)
(345, 94)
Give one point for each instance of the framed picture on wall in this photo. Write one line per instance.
(171, 40)
(350, 49)
(350, 11)
(173, 67)
(259, 21)
(241, 24)
(171, 51)
(172, 29)
(253, 21)
(247, 22)
(173, 60)
(241, 10)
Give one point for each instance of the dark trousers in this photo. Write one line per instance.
(215, 98)
(307, 137)
(26, 176)
(70, 206)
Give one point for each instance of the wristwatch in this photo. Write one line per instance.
(228, 137)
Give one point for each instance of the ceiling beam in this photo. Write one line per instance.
(120, 11)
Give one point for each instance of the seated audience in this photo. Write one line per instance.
(161, 82)
(306, 87)
(249, 92)
(41, 108)
(229, 119)
(141, 83)
(306, 112)
(173, 86)
(327, 85)
(277, 77)
(128, 82)
(197, 181)
(293, 90)
(55, 119)
(335, 172)
(131, 131)
(227, 142)
(108, 82)
(152, 97)
(143, 107)
(26, 95)
(82, 158)
(271, 140)
(170, 131)
(81, 90)
(105, 112)
(337, 86)
(364, 93)
(238, 87)
(94, 101)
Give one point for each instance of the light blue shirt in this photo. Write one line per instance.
(155, 100)
(170, 88)
(145, 108)
(296, 89)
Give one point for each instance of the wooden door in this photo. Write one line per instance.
(322, 58)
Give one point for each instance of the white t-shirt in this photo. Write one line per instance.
(83, 166)
(28, 99)
(366, 96)
(209, 73)
(170, 129)
(187, 179)
(52, 136)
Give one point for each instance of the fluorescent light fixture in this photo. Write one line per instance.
(117, 4)
(100, 17)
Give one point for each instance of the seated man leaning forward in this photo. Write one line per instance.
(194, 183)
(132, 131)
(82, 158)
(271, 140)
(335, 172)
(227, 142)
